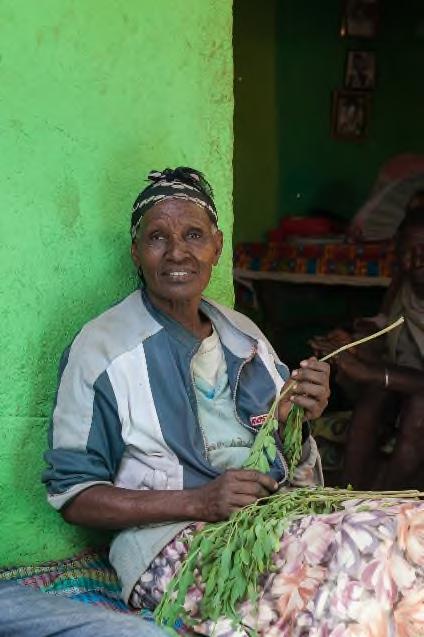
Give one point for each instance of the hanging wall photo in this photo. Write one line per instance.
(360, 19)
(360, 70)
(350, 115)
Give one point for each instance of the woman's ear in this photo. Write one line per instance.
(134, 254)
(219, 242)
(137, 262)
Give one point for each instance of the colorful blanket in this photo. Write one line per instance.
(87, 577)
(355, 259)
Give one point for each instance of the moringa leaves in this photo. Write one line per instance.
(292, 438)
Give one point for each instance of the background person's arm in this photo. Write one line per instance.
(405, 380)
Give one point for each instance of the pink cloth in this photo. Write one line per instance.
(355, 573)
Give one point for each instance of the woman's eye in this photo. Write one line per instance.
(194, 234)
(157, 236)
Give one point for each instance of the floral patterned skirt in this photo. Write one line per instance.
(355, 573)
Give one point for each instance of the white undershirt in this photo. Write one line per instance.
(227, 441)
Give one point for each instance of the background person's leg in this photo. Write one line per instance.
(28, 613)
(371, 412)
(404, 468)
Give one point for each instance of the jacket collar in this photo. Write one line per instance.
(173, 327)
(237, 341)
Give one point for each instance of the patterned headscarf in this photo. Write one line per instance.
(179, 183)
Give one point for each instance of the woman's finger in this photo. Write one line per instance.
(313, 407)
(312, 369)
(311, 376)
(251, 489)
(256, 477)
(243, 501)
(314, 390)
(315, 364)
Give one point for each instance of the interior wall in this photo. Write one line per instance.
(255, 116)
(95, 94)
(314, 170)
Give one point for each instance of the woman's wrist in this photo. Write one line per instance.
(110, 507)
(194, 502)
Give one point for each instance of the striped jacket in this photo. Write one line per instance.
(126, 411)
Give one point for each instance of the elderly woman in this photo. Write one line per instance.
(159, 402)
(161, 396)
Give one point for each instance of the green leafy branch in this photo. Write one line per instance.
(228, 558)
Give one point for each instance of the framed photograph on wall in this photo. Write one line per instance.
(350, 115)
(360, 19)
(360, 70)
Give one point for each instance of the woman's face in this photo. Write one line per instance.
(176, 247)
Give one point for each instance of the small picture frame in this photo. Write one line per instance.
(360, 70)
(360, 19)
(350, 115)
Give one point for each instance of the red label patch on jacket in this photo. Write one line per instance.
(256, 421)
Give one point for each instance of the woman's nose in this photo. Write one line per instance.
(176, 248)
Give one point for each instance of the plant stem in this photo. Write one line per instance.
(392, 326)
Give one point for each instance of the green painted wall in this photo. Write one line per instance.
(94, 94)
(315, 171)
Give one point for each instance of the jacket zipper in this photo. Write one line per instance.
(205, 444)
(247, 360)
(285, 465)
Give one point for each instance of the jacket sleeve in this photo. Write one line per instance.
(85, 440)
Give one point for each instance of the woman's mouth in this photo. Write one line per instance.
(179, 275)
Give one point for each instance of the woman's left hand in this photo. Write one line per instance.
(311, 389)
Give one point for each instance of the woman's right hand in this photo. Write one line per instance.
(231, 491)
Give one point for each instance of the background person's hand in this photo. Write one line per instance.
(323, 345)
(353, 367)
(311, 389)
(369, 324)
(231, 491)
